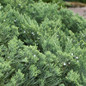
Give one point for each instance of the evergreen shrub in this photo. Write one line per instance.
(41, 45)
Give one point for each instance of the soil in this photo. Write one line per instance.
(80, 11)
(75, 4)
(78, 8)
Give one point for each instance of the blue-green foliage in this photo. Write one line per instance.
(41, 45)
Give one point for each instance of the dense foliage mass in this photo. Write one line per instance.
(41, 45)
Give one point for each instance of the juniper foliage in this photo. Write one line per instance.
(41, 45)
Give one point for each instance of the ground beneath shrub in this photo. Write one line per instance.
(81, 11)
(78, 8)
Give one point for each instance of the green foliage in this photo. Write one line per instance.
(16, 79)
(72, 76)
(41, 45)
